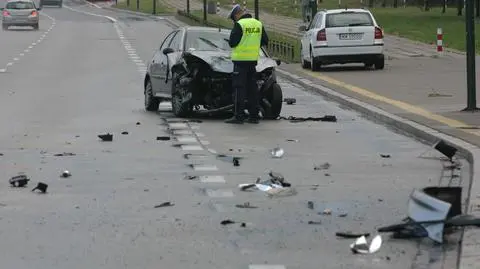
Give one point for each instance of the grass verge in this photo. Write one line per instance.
(145, 6)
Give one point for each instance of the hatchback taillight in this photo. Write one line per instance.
(321, 35)
(378, 33)
(6, 13)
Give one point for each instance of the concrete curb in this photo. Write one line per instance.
(420, 132)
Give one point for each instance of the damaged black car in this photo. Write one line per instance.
(192, 69)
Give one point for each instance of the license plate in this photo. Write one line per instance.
(351, 36)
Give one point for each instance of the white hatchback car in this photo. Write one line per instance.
(341, 36)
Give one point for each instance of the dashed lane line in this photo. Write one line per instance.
(31, 46)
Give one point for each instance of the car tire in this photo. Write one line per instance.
(380, 63)
(275, 98)
(151, 102)
(314, 65)
(179, 108)
(36, 27)
(305, 64)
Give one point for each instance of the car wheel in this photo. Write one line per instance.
(179, 108)
(314, 65)
(305, 64)
(380, 63)
(275, 98)
(151, 102)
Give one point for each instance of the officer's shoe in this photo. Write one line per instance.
(234, 120)
(253, 120)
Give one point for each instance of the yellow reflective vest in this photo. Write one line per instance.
(249, 47)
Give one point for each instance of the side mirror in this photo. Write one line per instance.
(278, 61)
(302, 28)
(167, 51)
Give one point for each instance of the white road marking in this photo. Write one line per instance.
(22, 54)
(9, 64)
(27, 50)
(219, 193)
(204, 167)
(91, 14)
(212, 179)
(33, 44)
(191, 147)
(178, 125)
(3, 70)
(30, 47)
(16, 59)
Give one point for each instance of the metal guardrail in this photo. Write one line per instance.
(277, 48)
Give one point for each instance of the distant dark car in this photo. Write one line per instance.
(193, 69)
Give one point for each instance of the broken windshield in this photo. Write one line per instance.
(209, 41)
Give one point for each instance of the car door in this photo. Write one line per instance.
(307, 37)
(155, 64)
(171, 59)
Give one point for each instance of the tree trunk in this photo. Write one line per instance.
(444, 7)
(395, 3)
(459, 7)
(477, 4)
(426, 5)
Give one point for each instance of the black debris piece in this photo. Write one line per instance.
(327, 174)
(386, 156)
(66, 174)
(19, 181)
(190, 177)
(195, 121)
(227, 222)
(163, 138)
(248, 186)
(106, 137)
(277, 178)
(327, 118)
(292, 140)
(342, 215)
(1, 154)
(236, 161)
(290, 101)
(351, 234)
(125, 133)
(324, 166)
(164, 205)
(310, 205)
(64, 154)
(42, 187)
(138, 123)
(246, 205)
(243, 225)
(311, 222)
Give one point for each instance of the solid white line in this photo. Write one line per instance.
(22, 54)
(27, 50)
(91, 14)
(34, 43)
(3, 70)
(16, 59)
(9, 64)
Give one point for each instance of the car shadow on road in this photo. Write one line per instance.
(21, 30)
(345, 68)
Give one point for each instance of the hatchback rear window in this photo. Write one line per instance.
(19, 5)
(348, 19)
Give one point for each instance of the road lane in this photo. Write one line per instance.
(84, 83)
(17, 42)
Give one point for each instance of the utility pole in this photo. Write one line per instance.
(471, 80)
(188, 7)
(205, 10)
(256, 8)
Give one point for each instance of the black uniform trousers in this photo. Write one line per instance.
(245, 86)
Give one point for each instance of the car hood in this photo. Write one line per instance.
(221, 62)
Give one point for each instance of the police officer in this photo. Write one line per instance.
(246, 39)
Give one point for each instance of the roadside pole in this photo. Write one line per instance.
(471, 80)
(138, 5)
(188, 7)
(154, 7)
(204, 10)
(255, 4)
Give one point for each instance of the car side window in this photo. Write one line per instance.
(175, 44)
(167, 41)
(313, 22)
(319, 21)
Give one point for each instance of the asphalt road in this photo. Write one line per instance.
(83, 80)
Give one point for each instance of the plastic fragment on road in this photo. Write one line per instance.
(277, 152)
(327, 118)
(42, 187)
(227, 222)
(66, 174)
(246, 205)
(324, 166)
(106, 137)
(349, 234)
(290, 101)
(163, 138)
(360, 245)
(19, 181)
(386, 156)
(125, 133)
(165, 204)
(64, 154)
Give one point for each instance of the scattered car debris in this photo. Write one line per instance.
(349, 234)
(65, 154)
(385, 156)
(430, 211)
(327, 174)
(227, 222)
(281, 192)
(245, 187)
(327, 118)
(230, 159)
(310, 205)
(277, 152)
(314, 222)
(292, 140)
(342, 215)
(138, 123)
(190, 177)
(125, 133)
(290, 101)
(165, 204)
(326, 212)
(276, 186)
(19, 181)
(243, 225)
(236, 161)
(42, 187)
(360, 245)
(163, 138)
(66, 174)
(246, 205)
(324, 166)
(106, 137)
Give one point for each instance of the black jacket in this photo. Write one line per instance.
(237, 33)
